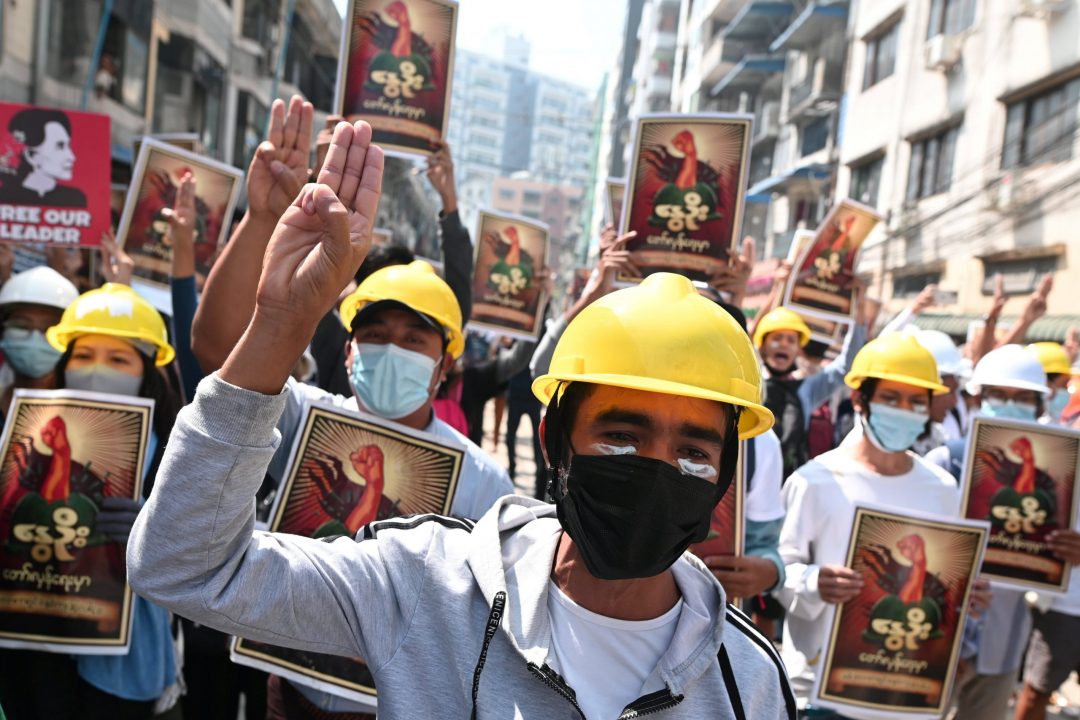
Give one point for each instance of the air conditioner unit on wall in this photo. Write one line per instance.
(1040, 8)
(942, 52)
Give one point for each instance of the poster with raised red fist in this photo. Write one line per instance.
(727, 527)
(892, 649)
(348, 469)
(616, 194)
(395, 70)
(155, 184)
(1021, 477)
(63, 581)
(54, 176)
(685, 193)
(508, 272)
(822, 281)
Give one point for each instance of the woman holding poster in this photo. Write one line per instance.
(100, 462)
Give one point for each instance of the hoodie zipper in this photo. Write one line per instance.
(647, 705)
(553, 681)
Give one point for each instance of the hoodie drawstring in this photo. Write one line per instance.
(494, 618)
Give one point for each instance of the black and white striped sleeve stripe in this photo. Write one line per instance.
(738, 620)
(371, 530)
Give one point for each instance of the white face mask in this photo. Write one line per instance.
(389, 380)
(103, 379)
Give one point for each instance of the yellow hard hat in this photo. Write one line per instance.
(116, 310)
(1052, 357)
(417, 287)
(782, 319)
(898, 357)
(661, 336)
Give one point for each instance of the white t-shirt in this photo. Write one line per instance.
(763, 500)
(607, 661)
(820, 498)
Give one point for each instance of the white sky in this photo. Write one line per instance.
(575, 40)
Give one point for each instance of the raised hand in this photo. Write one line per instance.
(1036, 304)
(280, 166)
(325, 234)
(440, 173)
(838, 584)
(323, 138)
(999, 300)
(925, 299)
(116, 265)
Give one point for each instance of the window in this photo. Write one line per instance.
(881, 55)
(260, 18)
(907, 286)
(866, 180)
(814, 136)
(1042, 128)
(931, 166)
(506, 194)
(531, 197)
(251, 116)
(188, 91)
(1019, 277)
(950, 17)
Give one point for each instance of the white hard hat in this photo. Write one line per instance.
(41, 286)
(946, 354)
(1009, 366)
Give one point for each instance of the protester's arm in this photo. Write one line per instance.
(733, 277)
(816, 389)
(1034, 309)
(277, 172)
(923, 300)
(185, 299)
(799, 591)
(983, 342)
(763, 540)
(510, 361)
(275, 588)
(456, 248)
(116, 265)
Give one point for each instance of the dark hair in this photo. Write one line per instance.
(735, 312)
(382, 256)
(28, 126)
(869, 387)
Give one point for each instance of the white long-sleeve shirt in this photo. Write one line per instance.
(820, 499)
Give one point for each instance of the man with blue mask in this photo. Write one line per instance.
(30, 303)
(893, 380)
(1058, 366)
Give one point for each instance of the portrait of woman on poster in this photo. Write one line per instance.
(45, 160)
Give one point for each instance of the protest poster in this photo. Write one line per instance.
(508, 292)
(63, 583)
(685, 193)
(822, 281)
(347, 469)
(892, 650)
(54, 176)
(395, 71)
(184, 141)
(155, 183)
(727, 526)
(798, 241)
(1021, 477)
(616, 193)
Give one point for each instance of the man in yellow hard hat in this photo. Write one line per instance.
(1058, 367)
(590, 608)
(790, 394)
(892, 380)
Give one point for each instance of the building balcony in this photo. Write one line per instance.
(759, 20)
(721, 56)
(810, 27)
(807, 178)
(818, 93)
(721, 10)
(752, 71)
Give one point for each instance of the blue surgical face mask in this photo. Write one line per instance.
(28, 351)
(389, 380)
(1056, 405)
(1009, 410)
(103, 379)
(893, 429)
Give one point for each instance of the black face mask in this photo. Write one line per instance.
(631, 516)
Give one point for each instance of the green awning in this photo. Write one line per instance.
(1050, 327)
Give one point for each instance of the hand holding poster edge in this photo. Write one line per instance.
(808, 247)
(248, 654)
(967, 488)
(832, 615)
(484, 216)
(745, 121)
(421, 147)
(144, 409)
(138, 177)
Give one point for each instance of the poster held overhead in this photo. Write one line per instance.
(508, 291)
(822, 281)
(685, 193)
(155, 183)
(54, 176)
(395, 71)
(616, 194)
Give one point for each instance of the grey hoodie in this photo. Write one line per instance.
(451, 617)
